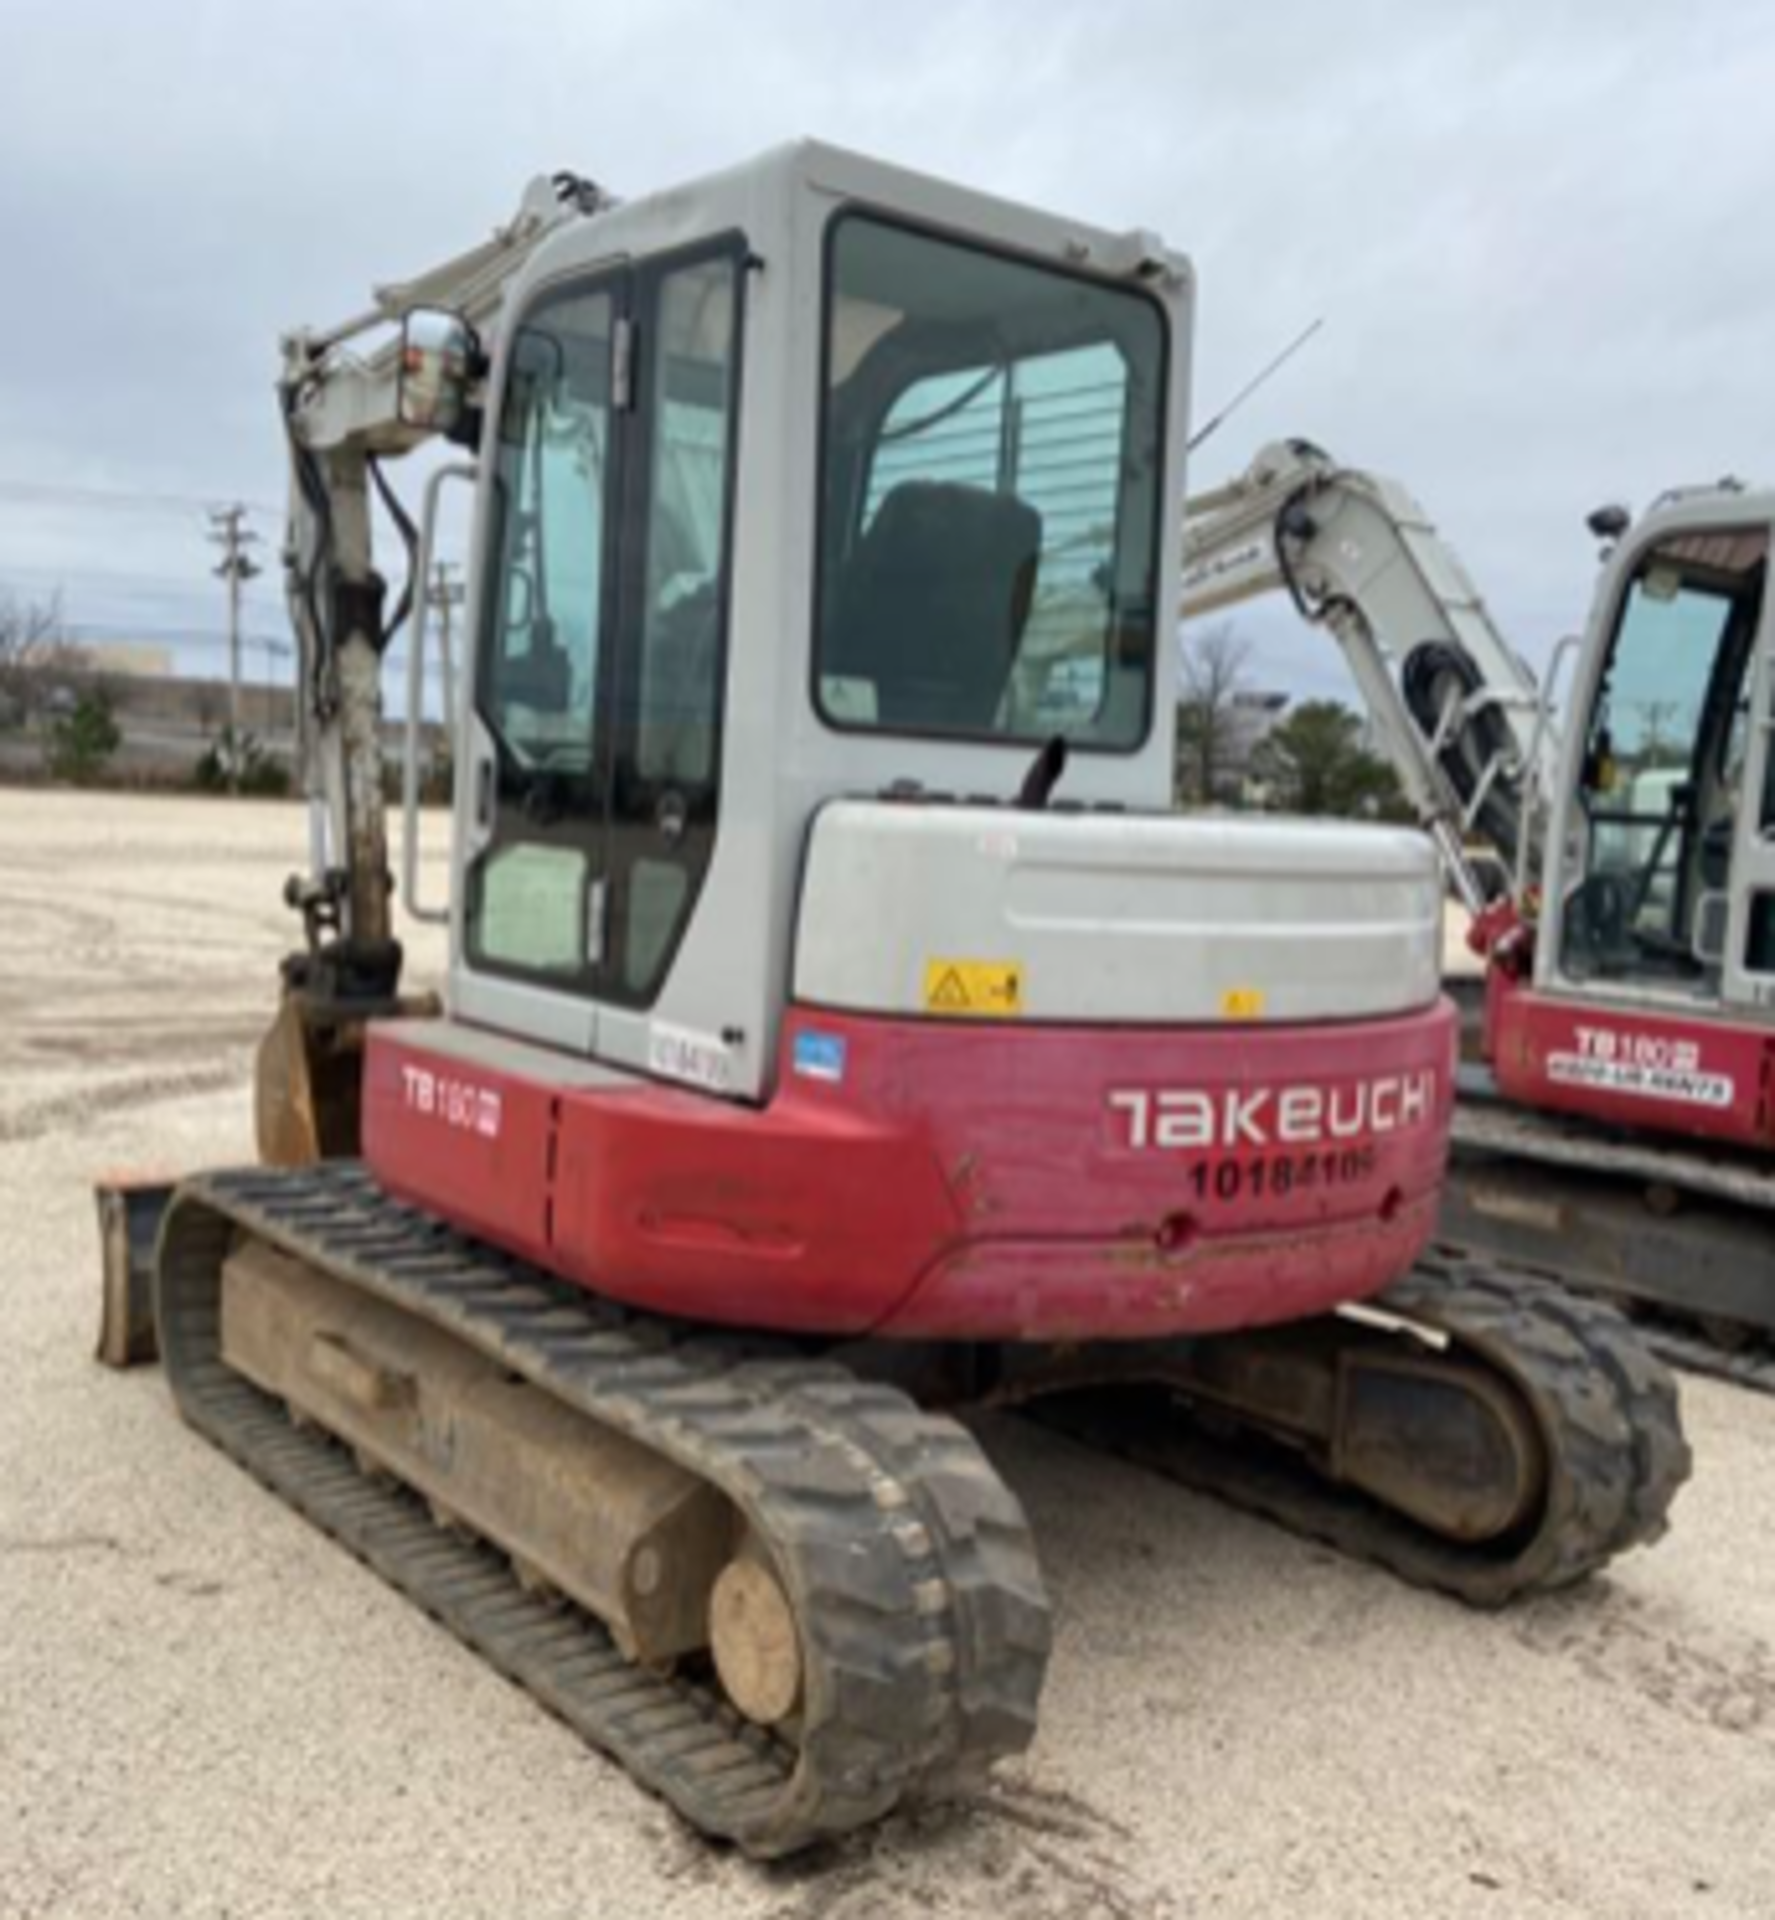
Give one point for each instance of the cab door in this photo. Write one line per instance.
(1661, 786)
(531, 900)
(593, 745)
(661, 803)
(1750, 927)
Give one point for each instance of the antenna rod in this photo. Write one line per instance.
(1251, 386)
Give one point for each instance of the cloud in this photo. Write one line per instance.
(1536, 230)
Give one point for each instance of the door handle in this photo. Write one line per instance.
(597, 914)
(672, 815)
(484, 792)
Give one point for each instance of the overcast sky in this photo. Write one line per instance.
(1541, 234)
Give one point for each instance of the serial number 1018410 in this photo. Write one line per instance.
(1280, 1176)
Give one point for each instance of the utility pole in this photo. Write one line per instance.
(236, 568)
(446, 596)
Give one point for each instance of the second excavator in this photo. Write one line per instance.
(1617, 1128)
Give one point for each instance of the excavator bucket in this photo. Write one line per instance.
(305, 1085)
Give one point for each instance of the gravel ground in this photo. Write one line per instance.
(207, 1710)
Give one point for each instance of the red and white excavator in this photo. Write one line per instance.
(841, 1032)
(1620, 1131)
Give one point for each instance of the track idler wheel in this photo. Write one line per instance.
(755, 1642)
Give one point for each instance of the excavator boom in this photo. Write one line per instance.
(341, 393)
(342, 411)
(1455, 709)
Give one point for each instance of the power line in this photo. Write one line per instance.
(157, 586)
(133, 499)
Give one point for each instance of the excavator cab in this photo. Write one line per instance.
(1649, 998)
(1674, 788)
(813, 482)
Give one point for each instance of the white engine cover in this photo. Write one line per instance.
(983, 912)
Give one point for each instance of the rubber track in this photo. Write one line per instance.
(1606, 1408)
(925, 1629)
(1487, 1127)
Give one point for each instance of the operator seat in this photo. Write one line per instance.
(930, 608)
(541, 677)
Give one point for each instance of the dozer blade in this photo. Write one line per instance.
(784, 1598)
(130, 1210)
(307, 1102)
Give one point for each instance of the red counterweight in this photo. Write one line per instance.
(930, 1179)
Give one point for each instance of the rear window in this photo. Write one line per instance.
(991, 494)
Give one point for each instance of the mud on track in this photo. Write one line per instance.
(207, 1709)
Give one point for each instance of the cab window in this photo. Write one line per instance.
(1664, 764)
(991, 487)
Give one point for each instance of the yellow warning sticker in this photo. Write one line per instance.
(1242, 1003)
(975, 989)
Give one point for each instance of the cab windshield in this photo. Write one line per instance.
(1665, 762)
(991, 490)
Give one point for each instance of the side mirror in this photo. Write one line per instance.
(440, 356)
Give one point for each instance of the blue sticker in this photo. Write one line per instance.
(820, 1056)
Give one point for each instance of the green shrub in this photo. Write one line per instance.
(82, 741)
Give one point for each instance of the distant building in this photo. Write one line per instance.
(181, 704)
(131, 658)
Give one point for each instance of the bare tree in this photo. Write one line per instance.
(36, 656)
(1214, 675)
